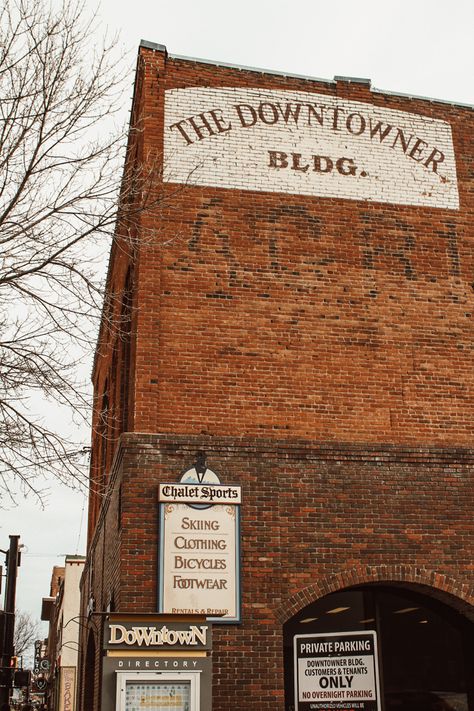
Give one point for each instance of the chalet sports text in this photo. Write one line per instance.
(314, 117)
(200, 493)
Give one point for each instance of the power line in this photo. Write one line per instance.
(80, 525)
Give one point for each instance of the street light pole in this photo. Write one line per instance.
(8, 645)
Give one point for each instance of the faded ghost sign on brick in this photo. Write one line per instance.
(308, 144)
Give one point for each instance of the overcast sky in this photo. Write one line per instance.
(420, 47)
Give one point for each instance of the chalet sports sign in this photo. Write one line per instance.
(308, 144)
(199, 552)
(199, 494)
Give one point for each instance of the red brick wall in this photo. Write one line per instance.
(320, 351)
(315, 518)
(288, 316)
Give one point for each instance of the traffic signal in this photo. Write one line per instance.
(14, 662)
(5, 677)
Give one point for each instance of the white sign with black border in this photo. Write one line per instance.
(337, 671)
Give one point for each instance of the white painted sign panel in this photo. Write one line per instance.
(199, 561)
(309, 144)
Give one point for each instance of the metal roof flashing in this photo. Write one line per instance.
(352, 80)
(153, 45)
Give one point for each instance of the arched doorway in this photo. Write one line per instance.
(422, 649)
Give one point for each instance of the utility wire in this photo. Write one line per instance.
(80, 525)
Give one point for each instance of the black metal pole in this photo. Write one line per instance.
(8, 646)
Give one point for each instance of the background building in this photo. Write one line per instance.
(61, 609)
(290, 308)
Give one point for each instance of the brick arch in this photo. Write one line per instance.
(433, 583)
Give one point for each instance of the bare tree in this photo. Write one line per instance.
(60, 158)
(26, 631)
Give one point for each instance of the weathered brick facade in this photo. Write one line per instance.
(317, 345)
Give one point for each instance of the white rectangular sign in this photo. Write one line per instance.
(336, 671)
(308, 144)
(199, 561)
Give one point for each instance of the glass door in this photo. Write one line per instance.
(158, 691)
(160, 696)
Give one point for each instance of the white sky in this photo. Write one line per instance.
(421, 47)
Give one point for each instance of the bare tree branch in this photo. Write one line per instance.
(63, 198)
(60, 157)
(26, 631)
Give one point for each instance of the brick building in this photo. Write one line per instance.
(61, 610)
(290, 306)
